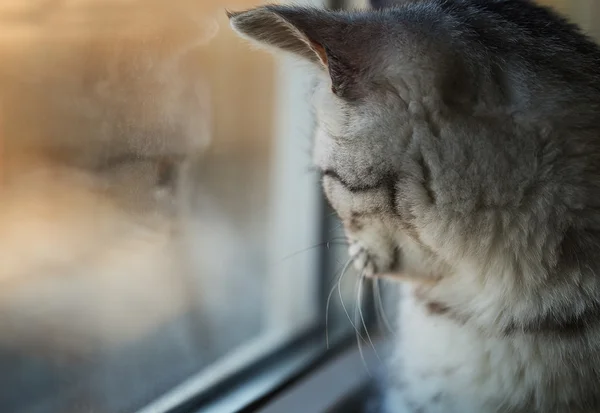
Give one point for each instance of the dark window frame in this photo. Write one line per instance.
(260, 383)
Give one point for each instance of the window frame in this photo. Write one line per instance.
(278, 379)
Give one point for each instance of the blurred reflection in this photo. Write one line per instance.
(123, 236)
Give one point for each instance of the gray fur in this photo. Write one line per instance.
(460, 142)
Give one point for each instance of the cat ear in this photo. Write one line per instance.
(313, 34)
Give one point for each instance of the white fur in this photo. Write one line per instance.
(450, 368)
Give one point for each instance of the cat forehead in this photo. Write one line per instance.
(331, 112)
(353, 138)
(346, 120)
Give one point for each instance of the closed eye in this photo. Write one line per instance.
(385, 181)
(334, 175)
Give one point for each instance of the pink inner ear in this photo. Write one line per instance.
(320, 51)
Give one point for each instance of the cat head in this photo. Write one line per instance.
(441, 137)
(362, 100)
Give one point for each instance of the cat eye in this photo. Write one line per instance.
(334, 175)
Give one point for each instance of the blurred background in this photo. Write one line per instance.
(159, 220)
(137, 199)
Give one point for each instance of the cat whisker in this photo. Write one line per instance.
(329, 300)
(339, 288)
(379, 307)
(404, 277)
(335, 285)
(361, 281)
(356, 321)
(358, 312)
(342, 240)
(334, 241)
(338, 226)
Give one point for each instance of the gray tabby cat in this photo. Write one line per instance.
(460, 144)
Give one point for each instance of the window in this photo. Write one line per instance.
(160, 229)
(164, 246)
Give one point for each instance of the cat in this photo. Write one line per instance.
(459, 143)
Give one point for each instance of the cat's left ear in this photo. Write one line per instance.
(319, 36)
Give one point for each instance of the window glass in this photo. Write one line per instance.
(158, 218)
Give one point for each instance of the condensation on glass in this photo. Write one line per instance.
(147, 204)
